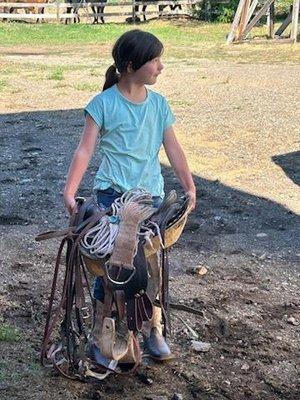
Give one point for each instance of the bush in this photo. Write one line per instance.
(282, 8)
(225, 12)
(214, 10)
(220, 11)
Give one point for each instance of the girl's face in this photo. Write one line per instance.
(149, 72)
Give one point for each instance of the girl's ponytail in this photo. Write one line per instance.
(111, 77)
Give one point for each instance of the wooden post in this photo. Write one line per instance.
(285, 24)
(232, 34)
(207, 10)
(133, 10)
(243, 20)
(258, 16)
(57, 11)
(295, 19)
(271, 15)
(251, 10)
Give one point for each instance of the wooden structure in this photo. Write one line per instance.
(248, 15)
(57, 10)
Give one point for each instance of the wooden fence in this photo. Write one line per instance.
(59, 12)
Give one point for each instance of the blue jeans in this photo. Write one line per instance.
(104, 199)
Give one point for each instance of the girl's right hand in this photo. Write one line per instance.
(70, 204)
(192, 199)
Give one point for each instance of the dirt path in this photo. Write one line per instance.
(239, 124)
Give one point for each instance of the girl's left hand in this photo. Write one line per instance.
(192, 199)
(70, 204)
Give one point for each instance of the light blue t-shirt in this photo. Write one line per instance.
(130, 140)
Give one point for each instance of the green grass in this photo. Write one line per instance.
(56, 75)
(3, 85)
(88, 87)
(188, 33)
(179, 103)
(184, 40)
(9, 333)
(52, 34)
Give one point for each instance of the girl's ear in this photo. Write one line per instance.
(129, 67)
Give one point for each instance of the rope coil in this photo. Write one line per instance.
(99, 241)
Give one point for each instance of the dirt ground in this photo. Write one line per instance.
(239, 125)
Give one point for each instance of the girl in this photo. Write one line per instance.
(133, 123)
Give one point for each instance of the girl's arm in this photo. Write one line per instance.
(80, 162)
(179, 163)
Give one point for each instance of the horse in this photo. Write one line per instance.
(33, 10)
(160, 9)
(98, 10)
(73, 7)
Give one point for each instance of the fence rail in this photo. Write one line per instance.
(58, 10)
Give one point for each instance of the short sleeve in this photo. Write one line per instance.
(169, 117)
(95, 109)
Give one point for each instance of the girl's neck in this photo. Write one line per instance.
(135, 92)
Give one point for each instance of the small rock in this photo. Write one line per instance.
(245, 367)
(22, 265)
(97, 395)
(262, 257)
(261, 235)
(201, 347)
(201, 271)
(218, 218)
(177, 396)
(145, 379)
(292, 321)
(23, 282)
(4, 386)
(27, 180)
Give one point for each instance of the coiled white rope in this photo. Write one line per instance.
(99, 241)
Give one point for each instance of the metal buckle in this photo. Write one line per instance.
(85, 312)
(107, 266)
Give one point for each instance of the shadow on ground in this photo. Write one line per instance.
(249, 297)
(36, 149)
(290, 164)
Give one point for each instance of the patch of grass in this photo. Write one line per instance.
(3, 85)
(33, 366)
(34, 34)
(7, 70)
(88, 87)
(94, 73)
(183, 40)
(187, 32)
(9, 333)
(60, 85)
(8, 374)
(179, 103)
(57, 75)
